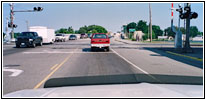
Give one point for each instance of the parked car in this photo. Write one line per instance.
(60, 37)
(100, 40)
(28, 39)
(72, 37)
(82, 36)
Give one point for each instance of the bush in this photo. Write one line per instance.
(134, 39)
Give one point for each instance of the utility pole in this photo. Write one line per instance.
(148, 33)
(150, 16)
(8, 37)
(11, 21)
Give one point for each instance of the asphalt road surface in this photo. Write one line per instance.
(29, 68)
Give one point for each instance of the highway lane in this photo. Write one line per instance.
(74, 58)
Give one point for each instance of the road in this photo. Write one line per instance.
(29, 68)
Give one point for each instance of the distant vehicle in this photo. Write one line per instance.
(60, 37)
(48, 35)
(72, 37)
(66, 37)
(89, 35)
(28, 39)
(100, 40)
(197, 38)
(83, 36)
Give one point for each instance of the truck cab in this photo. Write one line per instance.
(100, 41)
(28, 39)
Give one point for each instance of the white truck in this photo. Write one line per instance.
(47, 34)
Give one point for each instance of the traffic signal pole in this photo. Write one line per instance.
(11, 23)
(187, 47)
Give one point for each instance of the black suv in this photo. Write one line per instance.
(28, 39)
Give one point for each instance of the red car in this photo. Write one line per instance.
(100, 40)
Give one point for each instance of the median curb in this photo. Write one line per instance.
(190, 57)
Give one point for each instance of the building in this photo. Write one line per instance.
(138, 35)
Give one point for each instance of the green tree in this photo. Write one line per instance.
(76, 32)
(193, 31)
(92, 29)
(70, 30)
(157, 31)
(83, 29)
(169, 32)
(131, 25)
(142, 26)
(62, 30)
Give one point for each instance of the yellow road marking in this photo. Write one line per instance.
(47, 77)
(53, 67)
(194, 58)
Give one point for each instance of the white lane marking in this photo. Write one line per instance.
(61, 52)
(15, 72)
(134, 65)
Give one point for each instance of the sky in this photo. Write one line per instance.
(109, 15)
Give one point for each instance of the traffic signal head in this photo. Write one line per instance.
(179, 10)
(194, 15)
(184, 15)
(187, 9)
(12, 25)
(35, 8)
(38, 8)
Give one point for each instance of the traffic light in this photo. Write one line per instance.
(12, 25)
(179, 10)
(187, 9)
(187, 14)
(194, 15)
(184, 15)
(35, 8)
(38, 8)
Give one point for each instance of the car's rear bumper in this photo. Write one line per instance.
(100, 45)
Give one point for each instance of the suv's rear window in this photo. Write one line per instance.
(72, 35)
(99, 36)
(26, 34)
(59, 34)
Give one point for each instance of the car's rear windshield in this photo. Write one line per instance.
(26, 34)
(59, 34)
(72, 35)
(99, 36)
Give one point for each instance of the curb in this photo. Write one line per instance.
(193, 58)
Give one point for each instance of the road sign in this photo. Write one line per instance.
(132, 30)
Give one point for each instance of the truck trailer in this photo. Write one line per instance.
(47, 34)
